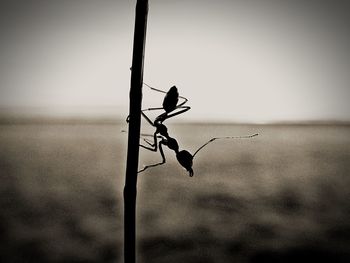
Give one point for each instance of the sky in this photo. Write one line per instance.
(238, 60)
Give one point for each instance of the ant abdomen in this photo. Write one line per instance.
(171, 99)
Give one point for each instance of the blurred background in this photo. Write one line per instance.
(279, 68)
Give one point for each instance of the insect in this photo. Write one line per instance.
(161, 136)
(170, 104)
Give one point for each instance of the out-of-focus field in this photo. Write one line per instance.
(283, 196)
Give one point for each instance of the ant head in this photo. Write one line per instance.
(186, 160)
(173, 145)
(162, 130)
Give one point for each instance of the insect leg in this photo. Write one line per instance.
(142, 134)
(144, 115)
(153, 145)
(183, 109)
(147, 119)
(184, 102)
(148, 142)
(150, 109)
(157, 164)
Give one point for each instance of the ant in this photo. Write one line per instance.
(170, 104)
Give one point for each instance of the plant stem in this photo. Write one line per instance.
(130, 188)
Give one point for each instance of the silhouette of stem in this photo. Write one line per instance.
(130, 188)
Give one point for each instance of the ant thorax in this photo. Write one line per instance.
(162, 129)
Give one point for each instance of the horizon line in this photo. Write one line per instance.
(113, 120)
(116, 114)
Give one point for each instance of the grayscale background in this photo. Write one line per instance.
(279, 68)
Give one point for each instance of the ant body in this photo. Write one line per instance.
(170, 104)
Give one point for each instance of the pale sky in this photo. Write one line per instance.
(242, 60)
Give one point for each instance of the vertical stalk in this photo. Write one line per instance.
(130, 188)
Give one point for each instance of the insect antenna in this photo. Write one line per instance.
(226, 137)
(162, 91)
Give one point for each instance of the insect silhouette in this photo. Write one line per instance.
(184, 157)
(170, 104)
(161, 136)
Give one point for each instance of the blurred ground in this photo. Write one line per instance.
(281, 197)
